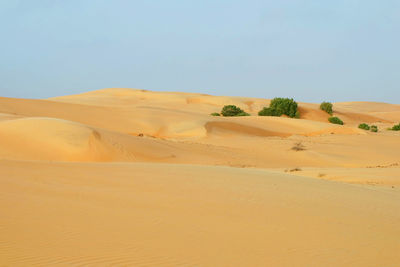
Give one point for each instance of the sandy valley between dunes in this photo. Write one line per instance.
(122, 177)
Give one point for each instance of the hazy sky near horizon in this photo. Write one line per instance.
(315, 50)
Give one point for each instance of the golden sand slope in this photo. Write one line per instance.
(121, 177)
(182, 215)
(374, 175)
(104, 125)
(172, 115)
(61, 140)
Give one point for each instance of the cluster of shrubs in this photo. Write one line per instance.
(366, 127)
(287, 106)
(277, 107)
(281, 106)
(374, 128)
(328, 108)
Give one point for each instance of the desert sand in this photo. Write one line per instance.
(126, 177)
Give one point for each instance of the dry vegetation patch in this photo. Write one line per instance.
(298, 147)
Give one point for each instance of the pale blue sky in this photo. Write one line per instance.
(313, 50)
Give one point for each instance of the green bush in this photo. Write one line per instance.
(396, 127)
(374, 128)
(364, 126)
(280, 106)
(335, 120)
(269, 112)
(215, 114)
(285, 106)
(327, 107)
(232, 110)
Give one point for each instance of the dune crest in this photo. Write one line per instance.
(128, 177)
(51, 139)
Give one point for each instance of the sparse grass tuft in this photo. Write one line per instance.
(298, 147)
(293, 170)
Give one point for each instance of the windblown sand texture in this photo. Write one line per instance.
(124, 177)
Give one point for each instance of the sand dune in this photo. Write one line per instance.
(122, 177)
(60, 140)
(51, 139)
(369, 111)
(177, 128)
(176, 215)
(159, 116)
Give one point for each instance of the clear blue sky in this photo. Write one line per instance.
(310, 50)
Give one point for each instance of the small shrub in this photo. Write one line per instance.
(231, 110)
(396, 127)
(298, 147)
(335, 120)
(374, 128)
(364, 126)
(297, 115)
(285, 106)
(327, 107)
(215, 114)
(297, 169)
(269, 112)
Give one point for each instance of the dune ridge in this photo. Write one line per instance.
(140, 125)
(129, 177)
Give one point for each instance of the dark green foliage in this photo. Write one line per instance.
(335, 120)
(364, 126)
(374, 128)
(232, 110)
(281, 106)
(396, 127)
(269, 112)
(243, 114)
(285, 106)
(327, 107)
(215, 114)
